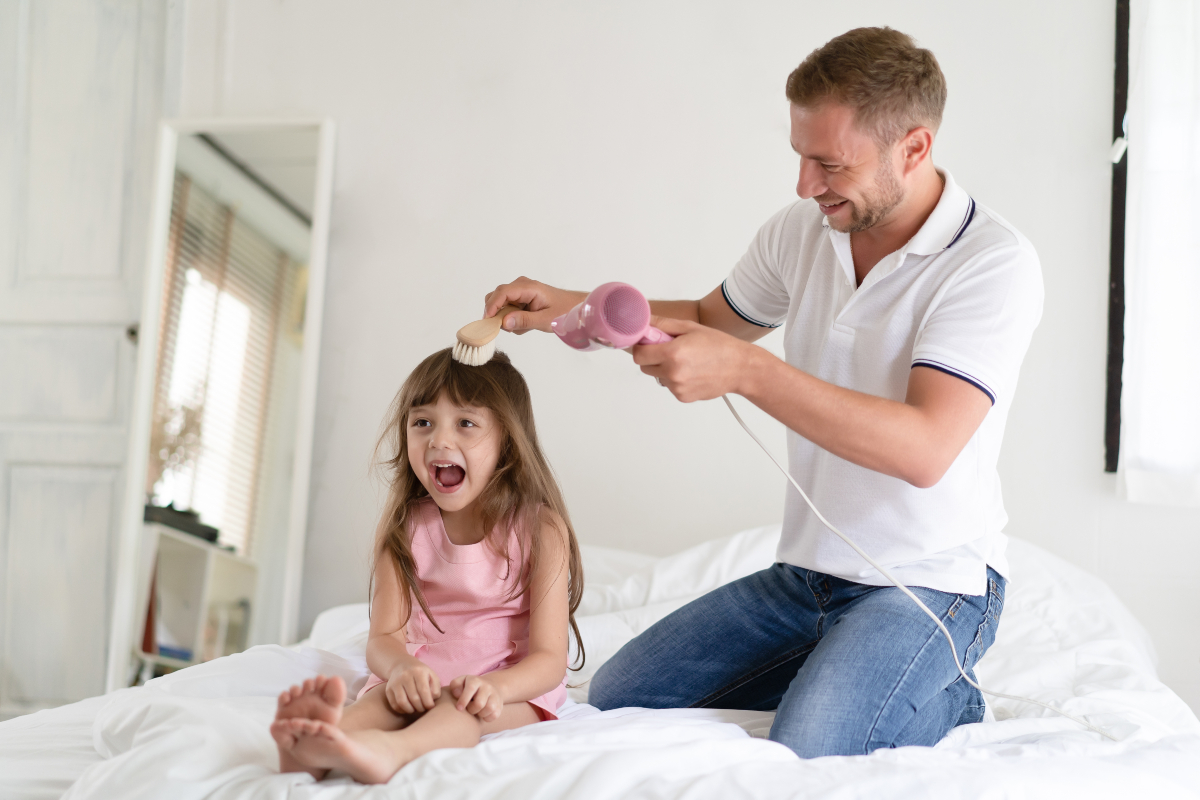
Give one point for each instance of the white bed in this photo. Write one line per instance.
(1064, 638)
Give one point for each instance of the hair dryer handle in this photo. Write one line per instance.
(655, 336)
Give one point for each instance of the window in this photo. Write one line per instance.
(1160, 426)
(230, 297)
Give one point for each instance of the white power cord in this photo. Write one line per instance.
(904, 588)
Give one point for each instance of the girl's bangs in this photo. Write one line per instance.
(462, 385)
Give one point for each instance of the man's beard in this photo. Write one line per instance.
(889, 194)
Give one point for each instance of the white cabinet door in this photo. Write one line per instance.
(81, 91)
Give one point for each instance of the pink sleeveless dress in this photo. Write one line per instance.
(467, 588)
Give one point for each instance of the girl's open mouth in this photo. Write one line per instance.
(447, 475)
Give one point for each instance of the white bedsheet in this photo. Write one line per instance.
(1063, 638)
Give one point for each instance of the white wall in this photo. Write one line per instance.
(581, 143)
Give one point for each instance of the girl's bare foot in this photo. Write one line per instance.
(284, 732)
(368, 756)
(321, 699)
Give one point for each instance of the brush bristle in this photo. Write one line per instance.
(474, 356)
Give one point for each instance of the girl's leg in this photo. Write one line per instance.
(372, 710)
(513, 715)
(371, 755)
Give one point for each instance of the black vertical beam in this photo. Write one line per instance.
(1116, 252)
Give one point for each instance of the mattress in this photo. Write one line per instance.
(1064, 638)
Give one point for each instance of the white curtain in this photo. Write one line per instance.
(1160, 407)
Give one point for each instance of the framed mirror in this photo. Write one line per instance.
(211, 544)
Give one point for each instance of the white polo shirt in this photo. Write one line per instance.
(963, 297)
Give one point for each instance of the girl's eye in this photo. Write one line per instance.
(421, 423)
(466, 423)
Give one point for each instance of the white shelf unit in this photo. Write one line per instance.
(203, 594)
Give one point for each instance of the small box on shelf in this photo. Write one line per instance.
(181, 520)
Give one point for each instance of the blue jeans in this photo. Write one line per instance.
(850, 668)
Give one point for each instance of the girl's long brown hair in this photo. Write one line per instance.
(522, 485)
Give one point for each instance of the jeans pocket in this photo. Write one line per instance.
(986, 634)
(996, 586)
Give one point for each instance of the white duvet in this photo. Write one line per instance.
(1064, 638)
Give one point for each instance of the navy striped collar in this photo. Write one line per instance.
(947, 222)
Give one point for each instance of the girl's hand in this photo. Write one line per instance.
(477, 696)
(413, 689)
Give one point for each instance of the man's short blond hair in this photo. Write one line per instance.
(892, 85)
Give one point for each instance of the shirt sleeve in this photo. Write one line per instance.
(980, 326)
(755, 288)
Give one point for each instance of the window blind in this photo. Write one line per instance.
(226, 287)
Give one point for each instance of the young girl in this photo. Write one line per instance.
(476, 578)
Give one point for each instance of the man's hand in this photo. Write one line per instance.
(542, 304)
(412, 689)
(477, 695)
(700, 363)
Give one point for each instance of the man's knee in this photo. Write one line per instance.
(814, 738)
(636, 678)
(604, 691)
(851, 730)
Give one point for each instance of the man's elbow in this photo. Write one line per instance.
(924, 481)
(925, 473)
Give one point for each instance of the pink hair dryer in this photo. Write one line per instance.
(613, 315)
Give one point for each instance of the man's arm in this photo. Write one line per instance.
(916, 440)
(712, 312)
(543, 303)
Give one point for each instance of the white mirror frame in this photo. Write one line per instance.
(127, 578)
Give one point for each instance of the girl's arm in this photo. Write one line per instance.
(543, 668)
(411, 685)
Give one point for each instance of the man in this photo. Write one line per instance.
(907, 310)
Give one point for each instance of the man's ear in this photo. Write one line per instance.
(916, 147)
